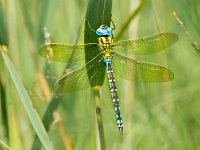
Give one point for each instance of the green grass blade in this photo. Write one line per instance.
(3, 145)
(98, 13)
(27, 17)
(3, 29)
(3, 109)
(47, 119)
(129, 19)
(99, 120)
(26, 101)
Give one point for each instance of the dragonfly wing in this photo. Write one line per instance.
(79, 79)
(134, 70)
(63, 53)
(146, 45)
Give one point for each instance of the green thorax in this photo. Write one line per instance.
(105, 44)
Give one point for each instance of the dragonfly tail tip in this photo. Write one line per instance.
(121, 130)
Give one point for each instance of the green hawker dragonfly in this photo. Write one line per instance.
(109, 57)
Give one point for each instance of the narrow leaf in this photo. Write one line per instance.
(26, 101)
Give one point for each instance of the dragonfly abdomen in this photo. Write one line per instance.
(113, 90)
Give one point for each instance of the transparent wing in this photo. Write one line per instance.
(146, 45)
(79, 79)
(134, 70)
(63, 53)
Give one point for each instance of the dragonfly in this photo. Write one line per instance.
(110, 57)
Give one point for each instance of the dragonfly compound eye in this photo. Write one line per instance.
(104, 30)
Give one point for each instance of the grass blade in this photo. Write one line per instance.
(98, 13)
(47, 119)
(129, 19)
(3, 27)
(3, 144)
(26, 101)
(3, 109)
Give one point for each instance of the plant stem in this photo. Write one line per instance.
(99, 119)
(129, 19)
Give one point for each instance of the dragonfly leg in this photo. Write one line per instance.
(90, 26)
(113, 24)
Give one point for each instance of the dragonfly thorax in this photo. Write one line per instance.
(105, 43)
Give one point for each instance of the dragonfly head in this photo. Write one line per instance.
(104, 30)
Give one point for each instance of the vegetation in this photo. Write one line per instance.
(156, 116)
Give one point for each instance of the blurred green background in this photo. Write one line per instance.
(156, 116)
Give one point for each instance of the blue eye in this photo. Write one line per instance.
(104, 30)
